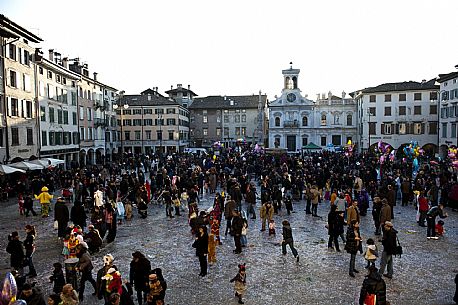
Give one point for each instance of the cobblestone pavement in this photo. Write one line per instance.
(424, 274)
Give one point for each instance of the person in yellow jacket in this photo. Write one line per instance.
(45, 201)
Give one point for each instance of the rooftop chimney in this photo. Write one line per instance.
(179, 86)
(51, 54)
(65, 62)
(189, 87)
(343, 94)
(95, 76)
(171, 87)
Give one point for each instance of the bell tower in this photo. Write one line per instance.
(290, 78)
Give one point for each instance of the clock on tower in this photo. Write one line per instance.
(291, 97)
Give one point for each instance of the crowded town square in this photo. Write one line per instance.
(156, 211)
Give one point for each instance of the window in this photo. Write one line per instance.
(417, 96)
(372, 128)
(148, 122)
(74, 118)
(243, 131)
(58, 138)
(76, 139)
(171, 121)
(44, 138)
(372, 98)
(12, 51)
(58, 78)
(417, 110)
(49, 74)
(277, 141)
(40, 70)
(159, 111)
(159, 134)
(204, 118)
(323, 141)
(82, 134)
(305, 141)
(205, 132)
(305, 121)
(402, 128)
(14, 136)
(127, 112)
(26, 83)
(172, 110)
(372, 111)
(171, 135)
(218, 132)
(147, 111)
(159, 122)
(433, 96)
(67, 138)
(402, 110)
(387, 97)
(323, 120)
(136, 111)
(28, 107)
(349, 120)
(444, 130)
(418, 128)
(387, 111)
(226, 131)
(51, 115)
(52, 140)
(237, 118)
(137, 135)
(81, 113)
(89, 114)
(402, 97)
(453, 135)
(148, 134)
(237, 131)
(336, 140)
(137, 122)
(432, 127)
(42, 113)
(13, 79)
(386, 128)
(126, 122)
(64, 80)
(277, 121)
(226, 119)
(59, 116)
(66, 117)
(243, 118)
(14, 107)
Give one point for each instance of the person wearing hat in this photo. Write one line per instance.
(389, 249)
(16, 249)
(45, 201)
(140, 268)
(62, 216)
(373, 284)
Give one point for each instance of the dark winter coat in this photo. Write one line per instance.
(333, 223)
(436, 211)
(61, 212)
(36, 298)
(287, 234)
(237, 225)
(29, 244)
(385, 213)
(389, 241)
(16, 249)
(201, 245)
(139, 272)
(58, 279)
(373, 284)
(352, 245)
(85, 263)
(376, 211)
(78, 215)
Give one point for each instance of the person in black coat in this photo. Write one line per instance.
(201, 245)
(93, 239)
(237, 226)
(62, 217)
(376, 212)
(140, 268)
(78, 214)
(333, 228)
(288, 239)
(28, 206)
(373, 284)
(353, 245)
(389, 249)
(16, 249)
(160, 277)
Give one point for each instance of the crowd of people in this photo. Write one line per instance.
(101, 198)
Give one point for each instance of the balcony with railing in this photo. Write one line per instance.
(100, 122)
(291, 124)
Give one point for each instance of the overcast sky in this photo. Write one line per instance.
(239, 47)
